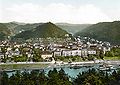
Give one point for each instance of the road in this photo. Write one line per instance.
(84, 62)
(26, 63)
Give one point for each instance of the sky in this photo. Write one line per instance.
(60, 11)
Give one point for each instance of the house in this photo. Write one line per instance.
(57, 53)
(71, 53)
(84, 53)
(92, 52)
(16, 53)
(9, 53)
(46, 54)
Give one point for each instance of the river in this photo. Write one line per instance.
(71, 71)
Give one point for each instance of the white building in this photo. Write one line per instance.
(84, 53)
(71, 53)
(44, 56)
(92, 52)
(57, 53)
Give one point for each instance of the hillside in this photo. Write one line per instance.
(25, 27)
(43, 31)
(4, 31)
(105, 31)
(72, 28)
(11, 26)
(16, 27)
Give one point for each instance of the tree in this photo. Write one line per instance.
(4, 80)
(101, 54)
(90, 57)
(63, 75)
(42, 78)
(58, 78)
(4, 50)
(91, 77)
(73, 59)
(109, 54)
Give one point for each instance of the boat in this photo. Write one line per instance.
(75, 66)
(88, 66)
(106, 67)
(9, 71)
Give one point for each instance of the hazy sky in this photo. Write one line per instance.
(69, 11)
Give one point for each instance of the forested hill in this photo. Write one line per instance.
(105, 31)
(43, 31)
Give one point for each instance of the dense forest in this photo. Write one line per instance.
(55, 77)
(43, 31)
(105, 31)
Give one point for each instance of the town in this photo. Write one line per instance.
(57, 49)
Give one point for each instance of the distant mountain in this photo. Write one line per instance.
(72, 28)
(105, 31)
(43, 31)
(18, 23)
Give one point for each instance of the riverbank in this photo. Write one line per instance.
(23, 65)
(42, 65)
